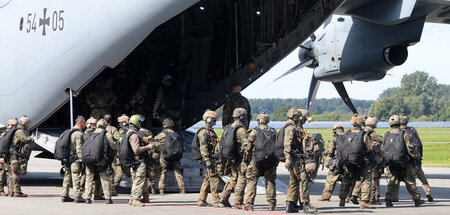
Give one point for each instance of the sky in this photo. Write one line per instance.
(431, 54)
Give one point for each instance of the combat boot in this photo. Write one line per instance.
(114, 192)
(290, 207)
(99, 198)
(430, 198)
(3, 194)
(225, 203)
(248, 207)
(109, 201)
(145, 199)
(88, 201)
(203, 204)
(20, 195)
(239, 206)
(308, 208)
(182, 191)
(216, 204)
(417, 203)
(66, 199)
(11, 194)
(324, 200)
(137, 203)
(342, 202)
(161, 191)
(389, 204)
(272, 206)
(80, 199)
(355, 200)
(365, 204)
(299, 207)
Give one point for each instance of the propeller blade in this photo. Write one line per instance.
(305, 47)
(343, 93)
(304, 63)
(313, 87)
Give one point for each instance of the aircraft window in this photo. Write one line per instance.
(340, 19)
(4, 3)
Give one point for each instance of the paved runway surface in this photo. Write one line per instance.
(44, 186)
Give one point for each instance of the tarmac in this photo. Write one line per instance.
(43, 185)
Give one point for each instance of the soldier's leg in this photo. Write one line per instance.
(347, 182)
(229, 186)
(293, 189)
(392, 187)
(88, 190)
(374, 190)
(118, 174)
(162, 178)
(76, 178)
(304, 189)
(240, 187)
(270, 175)
(14, 176)
(204, 188)
(2, 179)
(139, 174)
(252, 181)
(421, 175)
(357, 188)
(214, 186)
(366, 184)
(410, 182)
(105, 178)
(67, 181)
(330, 183)
(177, 170)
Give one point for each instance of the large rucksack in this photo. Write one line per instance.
(173, 101)
(62, 147)
(5, 142)
(414, 139)
(350, 149)
(280, 143)
(126, 154)
(313, 147)
(93, 149)
(173, 147)
(265, 148)
(228, 150)
(195, 147)
(394, 149)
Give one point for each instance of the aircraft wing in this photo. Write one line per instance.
(397, 11)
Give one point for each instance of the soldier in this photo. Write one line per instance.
(371, 123)
(397, 149)
(91, 125)
(354, 153)
(419, 171)
(235, 101)
(103, 167)
(330, 155)
(168, 125)
(298, 182)
(117, 167)
(169, 103)
(207, 140)
(139, 170)
(256, 168)
(20, 151)
(100, 100)
(237, 180)
(115, 134)
(73, 171)
(11, 124)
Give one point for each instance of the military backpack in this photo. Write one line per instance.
(313, 147)
(265, 148)
(228, 150)
(414, 139)
(62, 147)
(350, 149)
(126, 154)
(195, 147)
(93, 149)
(394, 149)
(5, 142)
(173, 147)
(280, 143)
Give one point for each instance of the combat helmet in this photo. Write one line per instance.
(91, 121)
(166, 77)
(337, 126)
(263, 118)
(404, 119)
(371, 121)
(209, 116)
(239, 113)
(12, 123)
(293, 112)
(394, 120)
(123, 119)
(356, 120)
(24, 121)
(101, 123)
(137, 120)
(303, 111)
(167, 123)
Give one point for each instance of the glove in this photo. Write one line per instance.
(208, 164)
(288, 164)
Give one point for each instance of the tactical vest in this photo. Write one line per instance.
(173, 147)
(350, 149)
(62, 147)
(126, 154)
(93, 149)
(265, 148)
(5, 143)
(394, 149)
(173, 100)
(228, 150)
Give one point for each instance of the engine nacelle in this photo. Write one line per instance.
(395, 55)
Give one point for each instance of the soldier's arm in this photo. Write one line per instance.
(22, 137)
(248, 108)
(412, 150)
(288, 138)
(251, 143)
(203, 142)
(241, 135)
(137, 149)
(227, 112)
(112, 143)
(116, 134)
(160, 140)
(79, 140)
(158, 101)
(330, 151)
(367, 143)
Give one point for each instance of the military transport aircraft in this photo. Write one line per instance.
(365, 39)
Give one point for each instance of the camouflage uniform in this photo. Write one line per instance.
(235, 101)
(252, 174)
(407, 174)
(116, 136)
(159, 108)
(103, 168)
(364, 174)
(138, 172)
(18, 157)
(376, 140)
(176, 165)
(100, 100)
(237, 180)
(117, 167)
(207, 139)
(334, 172)
(3, 171)
(73, 172)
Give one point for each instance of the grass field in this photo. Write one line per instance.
(436, 143)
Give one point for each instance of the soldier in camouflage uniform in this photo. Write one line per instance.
(139, 171)
(103, 168)
(231, 103)
(115, 134)
(168, 125)
(371, 123)
(91, 125)
(237, 179)
(207, 140)
(11, 124)
(254, 171)
(73, 171)
(419, 171)
(20, 151)
(330, 155)
(406, 172)
(100, 100)
(167, 98)
(362, 172)
(117, 167)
